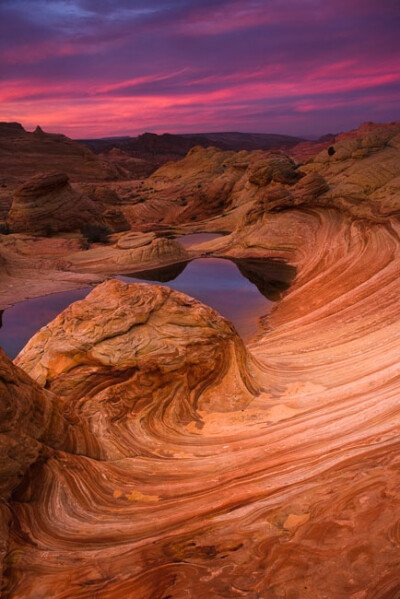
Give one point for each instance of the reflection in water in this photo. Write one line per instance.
(241, 291)
(219, 284)
(271, 277)
(216, 282)
(20, 322)
(159, 275)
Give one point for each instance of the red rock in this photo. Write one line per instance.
(47, 204)
(24, 154)
(160, 457)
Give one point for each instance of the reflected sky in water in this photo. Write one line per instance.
(219, 284)
(22, 321)
(216, 282)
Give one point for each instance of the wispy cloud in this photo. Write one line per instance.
(101, 67)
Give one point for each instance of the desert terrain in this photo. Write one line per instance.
(147, 450)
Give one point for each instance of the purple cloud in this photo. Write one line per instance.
(102, 67)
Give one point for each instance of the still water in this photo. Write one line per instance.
(216, 282)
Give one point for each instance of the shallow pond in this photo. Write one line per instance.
(216, 282)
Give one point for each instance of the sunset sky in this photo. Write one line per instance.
(91, 68)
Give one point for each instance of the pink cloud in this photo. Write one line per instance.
(75, 107)
(237, 15)
(32, 53)
(129, 83)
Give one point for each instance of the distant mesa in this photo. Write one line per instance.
(11, 129)
(154, 150)
(182, 143)
(24, 154)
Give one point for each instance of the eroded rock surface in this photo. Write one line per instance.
(207, 182)
(130, 253)
(47, 204)
(194, 466)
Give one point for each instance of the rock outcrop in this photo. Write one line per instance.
(33, 426)
(278, 461)
(130, 253)
(47, 204)
(139, 360)
(205, 183)
(160, 457)
(363, 172)
(139, 329)
(24, 154)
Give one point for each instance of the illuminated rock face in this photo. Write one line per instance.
(207, 182)
(153, 455)
(219, 469)
(137, 365)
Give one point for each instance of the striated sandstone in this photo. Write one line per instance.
(33, 426)
(128, 255)
(47, 204)
(62, 264)
(293, 486)
(221, 470)
(360, 187)
(364, 172)
(207, 182)
(136, 328)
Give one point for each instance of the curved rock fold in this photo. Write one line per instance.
(149, 453)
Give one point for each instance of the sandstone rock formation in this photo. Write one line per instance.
(128, 255)
(35, 266)
(138, 157)
(32, 266)
(211, 190)
(364, 172)
(160, 350)
(205, 183)
(47, 204)
(162, 458)
(33, 425)
(24, 154)
(226, 471)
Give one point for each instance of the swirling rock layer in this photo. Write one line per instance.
(193, 466)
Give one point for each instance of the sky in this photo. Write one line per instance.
(95, 68)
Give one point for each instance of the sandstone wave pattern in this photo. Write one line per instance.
(148, 453)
